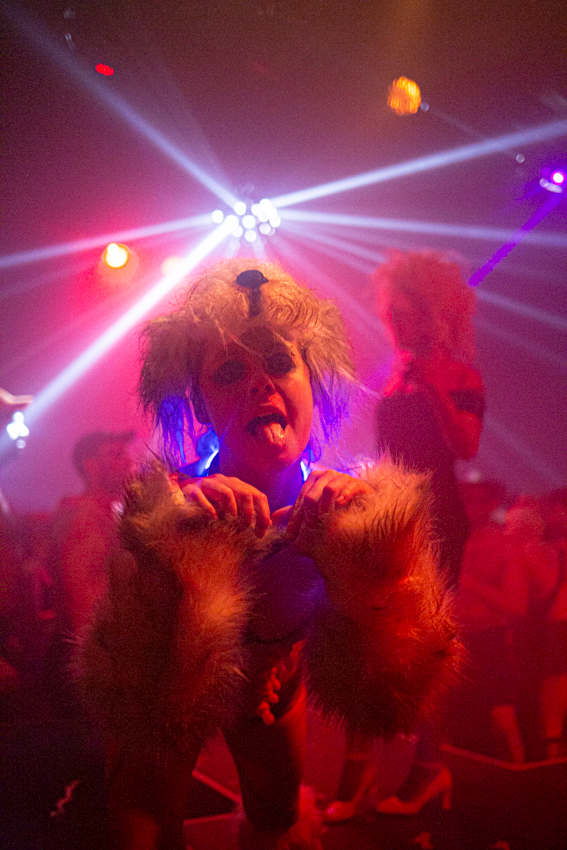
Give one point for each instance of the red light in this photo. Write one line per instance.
(105, 70)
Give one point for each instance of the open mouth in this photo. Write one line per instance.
(259, 423)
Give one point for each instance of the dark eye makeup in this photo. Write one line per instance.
(277, 365)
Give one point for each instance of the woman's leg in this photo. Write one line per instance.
(146, 798)
(270, 762)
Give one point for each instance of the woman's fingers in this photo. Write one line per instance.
(222, 495)
(323, 490)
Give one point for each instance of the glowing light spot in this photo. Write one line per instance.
(275, 220)
(218, 216)
(238, 231)
(250, 235)
(116, 255)
(558, 177)
(249, 221)
(549, 186)
(404, 97)
(170, 264)
(239, 208)
(520, 158)
(105, 70)
(16, 428)
(266, 228)
(256, 209)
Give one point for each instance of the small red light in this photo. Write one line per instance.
(105, 70)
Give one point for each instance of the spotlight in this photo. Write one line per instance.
(250, 235)
(249, 221)
(17, 429)
(404, 96)
(218, 216)
(553, 179)
(239, 208)
(116, 256)
(105, 70)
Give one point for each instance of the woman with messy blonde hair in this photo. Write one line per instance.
(260, 580)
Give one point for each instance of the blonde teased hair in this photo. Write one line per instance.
(215, 308)
(435, 285)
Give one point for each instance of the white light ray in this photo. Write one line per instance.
(548, 473)
(551, 240)
(337, 242)
(526, 344)
(103, 92)
(94, 352)
(65, 248)
(327, 247)
(521, 138)
(369, 324)
(533, 313)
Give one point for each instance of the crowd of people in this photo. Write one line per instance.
(221, 593)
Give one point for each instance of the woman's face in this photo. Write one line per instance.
(409, 326)
(259, 401)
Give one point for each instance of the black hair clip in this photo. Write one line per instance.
(252, 280)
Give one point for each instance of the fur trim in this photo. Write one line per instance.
(385, 644)
(162, 663)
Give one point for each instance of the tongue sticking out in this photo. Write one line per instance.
(269, 429)
(271, 433)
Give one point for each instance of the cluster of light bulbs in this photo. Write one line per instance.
(261, 218)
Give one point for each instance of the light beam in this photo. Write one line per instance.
(94, 352)
(118, 104)
(66, 248)
(551, 240)
(522, 138)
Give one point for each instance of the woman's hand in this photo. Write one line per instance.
(324, 490)
(220, 496)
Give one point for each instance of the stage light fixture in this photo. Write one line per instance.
(218, 216)
(116, 255)
(17, 429)
(249, 221)
(239, 208)
(404, 96)
(558, 177)
(250, 235)
(105, 70)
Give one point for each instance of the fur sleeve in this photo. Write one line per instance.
(161, 664)
(383, 644)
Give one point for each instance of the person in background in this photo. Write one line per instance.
(554, 688)
(491, 598)
(538, 560)
(9, 568)
(84, 527)
(429, 417)
(84, 532)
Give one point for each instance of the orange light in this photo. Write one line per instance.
(404, 97)
(116, 256)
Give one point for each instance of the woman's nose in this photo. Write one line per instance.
(262, 382)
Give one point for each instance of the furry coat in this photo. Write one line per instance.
(198, 613)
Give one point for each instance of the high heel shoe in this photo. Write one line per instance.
(441, 784)
(340, 810)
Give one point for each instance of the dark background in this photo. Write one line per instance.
(267, 98)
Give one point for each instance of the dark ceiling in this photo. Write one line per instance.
(268, 97)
